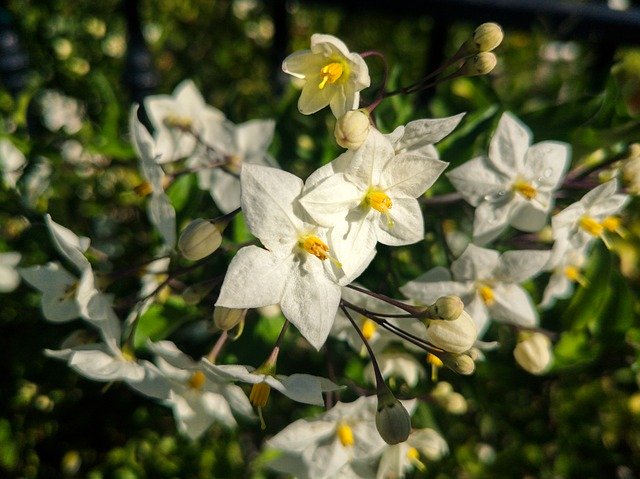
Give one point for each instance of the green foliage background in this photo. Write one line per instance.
(581, 420)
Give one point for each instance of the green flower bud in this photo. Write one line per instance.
(228, 318)
(459, 363)
(533, 353)
(392, 419)
(479, 64)
(453, 336)
(446, 308)
(352, 128)
(201, 238)
(487, 37)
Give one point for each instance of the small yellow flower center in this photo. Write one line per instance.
(611, 223)
(573, 274)
(414, 458)
(233, 164)
(345, 434)
(196, 380)
(315, 246)
(143, 189)
(369, 328)
(177, 121)
(378, 200)
(434, 360)
(69, 292)
(525, 189)
(330, 74)
(591, 226)
(487, 295)
(259, 394)
(127, 354)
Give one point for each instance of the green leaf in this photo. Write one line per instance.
(180, 191)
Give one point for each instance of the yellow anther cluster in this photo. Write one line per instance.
(487, 295)
(180, 122)
(330, 74)
(143, 189)
(378, 200)
(127, 353)
(434, 360)
(611, 223)
(414, 458)
(315, 246)
(591, 226)
(525, 189)
(196, 381)
(369, 328)
(345, 435)
(259, 394)
(573, 274)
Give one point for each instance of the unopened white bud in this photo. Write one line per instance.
(352, 129)
(533, 353)
(446, 308)
(487, 37)
(453, 336)
(228, 318)
(479, 64)
(201, 238)
(460, 363)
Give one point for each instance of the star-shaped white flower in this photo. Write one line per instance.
(319, 448)
(296, 269)
(369, 196)
(590, 217)
(333, 76)
(488, 284)
(514, 185)
(172, 116)
(12, 163)
(566, 265)
(159, 209)
(9, 276)
(400, 459)
(236, 145)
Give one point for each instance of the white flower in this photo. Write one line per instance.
(197, 399)
(174, 118)
(333, 76)
(9, 277)
(488, 284)
(303, 388)
(295, 270)
(395, 364)
(318, 448)
(236, 145)
(159, 209)
(399, 459)
(35, 184)
(61, 112)
(514, 184)
(534, 353)
(369, 197)
(590, 217)
(565, 264)
(12, 163)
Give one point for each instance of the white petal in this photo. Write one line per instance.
(476, 180)
(509, 145)
(559, 286)
(303, 388)
(255, 278)
(163, 216)
(475, 263)
(478, 311)
(547, 162)
(53, 280)
(513, 305)
(406, 226)
(410, 175)
(519, 265)
(330, 201)
(68, 244)
(369, 160)
(528, 216)
(426, 132)
(225, 190)
(254, 137)
(490, 220)
(353, 242)
(313, 99)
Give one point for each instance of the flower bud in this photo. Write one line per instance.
(201, 238)
(533, 353)
(453, 336)
(228, 318)
(392, 419)
(487, 37)
(352, 129)
(446, 308)
(479, 64)
(459, 363)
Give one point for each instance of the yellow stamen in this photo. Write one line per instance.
(196, 380)
(69, 293)
(591, 226)
(436, 363)
(345, 434)
(259, 394)
(525, 189)
(487, 295)
(414, 458)
(614, 225)
(369, 328)
(143, 189)
(573, 274)
(127, 353)
(330, 74)
(378, 200)
(315, 246)
(180, 122)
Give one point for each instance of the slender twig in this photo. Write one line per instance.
(213, 354)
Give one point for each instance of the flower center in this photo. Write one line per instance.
(180, 122)
(330, 74)
(345, 434)
(525, 189)
(69, 292)
(591, 226)
(315, 246)
(196, 380)
(378, 200)
(611, 223)
(259, 394)
(233, 164)
(369, 328)
(414, 458)
(128, 354)
(573, 274)
(143, 189)
(487, 295)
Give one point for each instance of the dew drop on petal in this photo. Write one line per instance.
(495, 197)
